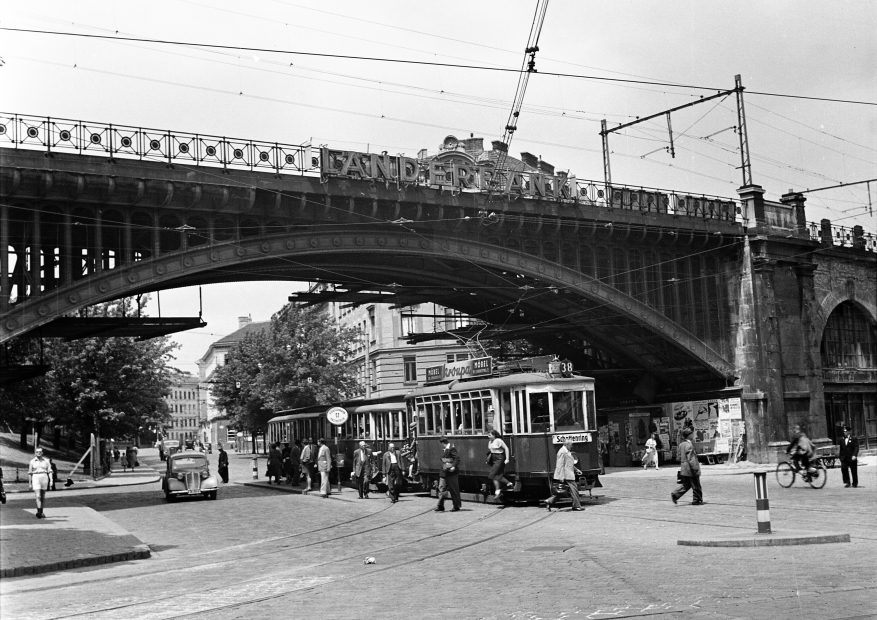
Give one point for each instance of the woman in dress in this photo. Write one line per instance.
(498, 458)
(651, 455)
(275, 469)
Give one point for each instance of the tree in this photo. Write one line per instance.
(110, 386)
(299, 360)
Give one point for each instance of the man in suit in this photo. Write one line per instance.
(565, 471)
(849, 458)
(449, 481)
(324, 465)
(309, 464)
(362, 469)
(295, 463)
(690, 470)
(392, 470)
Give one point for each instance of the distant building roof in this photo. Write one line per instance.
(226, 342)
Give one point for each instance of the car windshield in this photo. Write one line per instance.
(189, 463)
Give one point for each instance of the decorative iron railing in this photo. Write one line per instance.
(843, 236)
(123, 141)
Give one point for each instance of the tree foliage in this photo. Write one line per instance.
(112, 386)
(299, 360)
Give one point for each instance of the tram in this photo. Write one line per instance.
(535, 412)
(375, 421)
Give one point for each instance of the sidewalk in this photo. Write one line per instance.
(70, 536)
(669, 470)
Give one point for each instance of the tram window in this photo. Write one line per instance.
(421, 420)
(538, 412)
(394, 421)
(592, 411)
(477, 418)
(569, 410)
(430, 419)
(447, 422)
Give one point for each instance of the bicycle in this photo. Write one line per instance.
(788, 470)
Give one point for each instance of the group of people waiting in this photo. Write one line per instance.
(298, 460)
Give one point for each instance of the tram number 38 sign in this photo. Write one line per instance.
(337, 415)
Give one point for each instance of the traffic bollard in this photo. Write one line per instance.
(255, 468)
(762, 505)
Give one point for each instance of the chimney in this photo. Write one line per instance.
(474, 146)
(243, 321)
(530, 160)
(499, 145)
(545, 167)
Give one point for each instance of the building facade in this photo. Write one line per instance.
(187, 408)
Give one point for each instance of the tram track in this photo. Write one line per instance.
(259, 582)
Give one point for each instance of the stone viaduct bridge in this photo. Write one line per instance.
(661, 295)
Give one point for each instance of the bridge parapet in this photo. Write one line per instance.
(175, 147)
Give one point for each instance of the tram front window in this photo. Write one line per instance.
(538, 413)
(569, 411)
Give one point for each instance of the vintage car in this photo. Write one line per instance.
(167, 447)
(188, 474)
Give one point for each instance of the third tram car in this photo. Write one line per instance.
(535, 413)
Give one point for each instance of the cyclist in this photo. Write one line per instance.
(801, 450)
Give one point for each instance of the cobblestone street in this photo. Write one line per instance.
(257, 552)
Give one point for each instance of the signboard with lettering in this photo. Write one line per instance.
(573, 437)
(467, 369)
(337, 415)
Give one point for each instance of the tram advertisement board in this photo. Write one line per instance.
(337, 415)
(573, 437)
(466, 369)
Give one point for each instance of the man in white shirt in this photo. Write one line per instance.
(38, 473)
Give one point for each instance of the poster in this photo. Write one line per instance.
(730, 409)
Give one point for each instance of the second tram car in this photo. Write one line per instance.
(535, 413)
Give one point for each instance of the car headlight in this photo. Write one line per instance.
(205, 474)
(181, 476)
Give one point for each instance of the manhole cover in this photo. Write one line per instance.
(550, 549)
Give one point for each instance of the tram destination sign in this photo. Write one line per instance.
(573, 437)
(337, 415)
(478, 367)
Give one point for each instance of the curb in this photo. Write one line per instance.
(91, 485)
(139, 552)
(768, 540)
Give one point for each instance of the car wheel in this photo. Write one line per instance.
(211, 495)
(169, 497)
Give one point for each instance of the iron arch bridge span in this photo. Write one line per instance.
(647, 288)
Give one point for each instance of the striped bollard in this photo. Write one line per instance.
(762, 504)
(256, 468)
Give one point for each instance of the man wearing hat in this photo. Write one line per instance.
(362, 469)
(689, 470)
(449, 481)
(849, 458)
(38, 473)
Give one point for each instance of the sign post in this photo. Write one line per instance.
(337, 416)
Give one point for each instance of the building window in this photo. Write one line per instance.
(849, 339)
(409, 322)
(410, 368)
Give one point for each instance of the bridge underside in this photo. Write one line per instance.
(646, 290)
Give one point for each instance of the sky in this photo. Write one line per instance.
(802, 49)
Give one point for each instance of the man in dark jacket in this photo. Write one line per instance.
(849, 458)
(223, 464)
(689, 470)
(295, 463)
(449, 481)
(392, 470)
(362, 469)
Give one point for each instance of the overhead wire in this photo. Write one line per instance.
(404, 61)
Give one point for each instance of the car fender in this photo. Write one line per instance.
(210, 483)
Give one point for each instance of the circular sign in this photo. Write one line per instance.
(337, 415)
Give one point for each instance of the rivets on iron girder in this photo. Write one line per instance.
(445, 246)
(381, 241)
(484, 253)
(627, 305)
(522, 262)
(541, 268)
(290, 244)
(465, 249)
(424, 244)
(359, 241)
(73, 298)
(214, 256)
(676, 335)
(11, 324)
(160, 269)
(313, 242)
(240, 251)
(187, 261)
(336, 241)
(504, 258)
(403, 242)
(43, 310)
(132, 278)
(103, 287)
(266, 247)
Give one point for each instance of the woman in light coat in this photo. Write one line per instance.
(651, 455)
(565, 471)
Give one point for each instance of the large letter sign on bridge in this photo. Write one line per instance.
(337, 415)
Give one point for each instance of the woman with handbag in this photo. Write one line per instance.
(497, 459)
(651, 455)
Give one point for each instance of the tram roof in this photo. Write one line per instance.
(387, 403)
(526, 378)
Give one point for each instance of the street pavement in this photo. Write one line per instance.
(256, 552)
